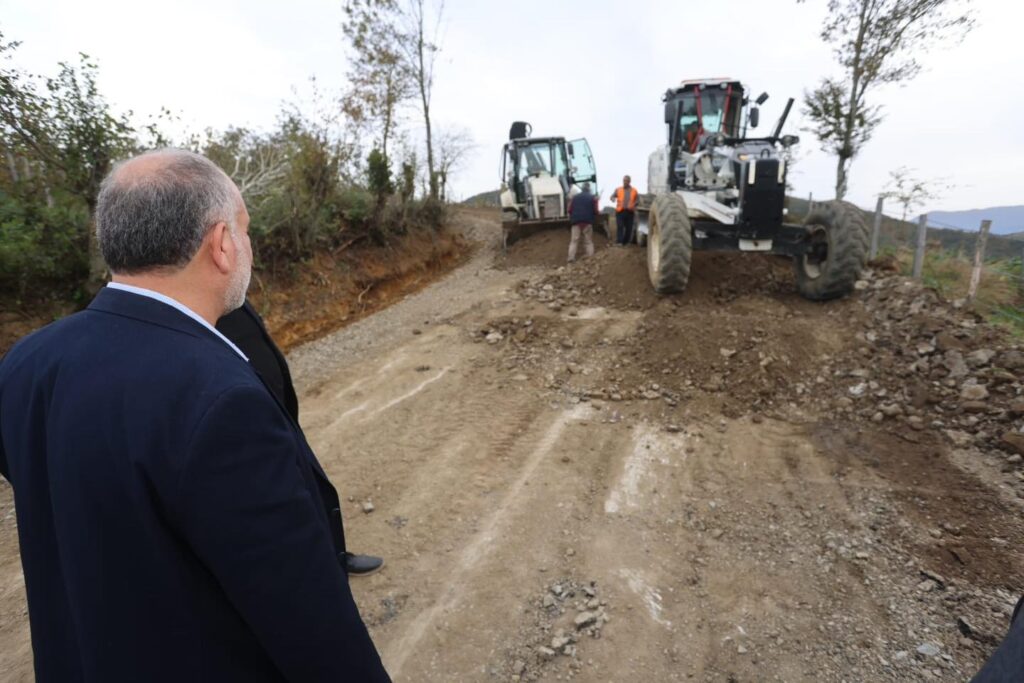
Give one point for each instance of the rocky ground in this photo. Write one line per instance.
(572, 478)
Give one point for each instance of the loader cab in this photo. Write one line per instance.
(698, 109)
(532, 158)
(572, 163)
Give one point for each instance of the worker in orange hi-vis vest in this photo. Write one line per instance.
(626, 198)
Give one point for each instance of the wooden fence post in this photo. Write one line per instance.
(922, 240)
(979, 260)
(876, 229)
(1020, 282)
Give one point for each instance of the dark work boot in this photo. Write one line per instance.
(362, 565)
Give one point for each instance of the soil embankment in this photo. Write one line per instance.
(310, 298)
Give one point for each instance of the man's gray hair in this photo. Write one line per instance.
(158, 217)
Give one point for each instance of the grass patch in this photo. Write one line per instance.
(999, 297)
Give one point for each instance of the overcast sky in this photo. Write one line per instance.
(577, 69)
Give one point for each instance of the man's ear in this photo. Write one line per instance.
(222, 247)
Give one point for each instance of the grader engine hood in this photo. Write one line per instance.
(762, 194)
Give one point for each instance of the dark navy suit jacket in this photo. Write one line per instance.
(174, 524)
(246, 329)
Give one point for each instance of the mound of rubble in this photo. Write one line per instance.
(567, 614)
(934, 364)
(913, 363)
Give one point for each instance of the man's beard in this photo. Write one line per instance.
(235, 296)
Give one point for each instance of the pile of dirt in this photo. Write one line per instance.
(547, 248)
(701, 342)
(938, 364)
(917, 362)
(617, 278)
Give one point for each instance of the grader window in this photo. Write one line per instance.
(716, 111)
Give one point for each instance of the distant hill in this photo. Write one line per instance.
(1006, 220)
(491, 198)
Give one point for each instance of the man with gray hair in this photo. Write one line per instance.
(174, 524)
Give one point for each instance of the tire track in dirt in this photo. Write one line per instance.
(702, 595)
(406, 644)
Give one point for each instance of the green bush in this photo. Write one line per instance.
(42, 245)
(378, 172)
(356, 205)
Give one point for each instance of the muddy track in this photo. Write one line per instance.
(572, 478)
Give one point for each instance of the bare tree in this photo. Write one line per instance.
(259, 173)
(453, 143)
(420, 45)
(875, 43)
(258, 164)
(910, 192)
(396, 44)
(379, 80)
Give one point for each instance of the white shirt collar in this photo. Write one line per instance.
(179, 306)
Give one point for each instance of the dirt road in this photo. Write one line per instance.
(573, 479)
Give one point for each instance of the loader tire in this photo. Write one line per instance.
(840, 241)
(669, 244)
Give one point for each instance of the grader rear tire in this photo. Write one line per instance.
(840, 242)
(669, 244)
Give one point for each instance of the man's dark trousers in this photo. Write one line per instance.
(174, 524)
(624, 226)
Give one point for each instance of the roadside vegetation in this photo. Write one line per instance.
(1000, 297)
(340, 171)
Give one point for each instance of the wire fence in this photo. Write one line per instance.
(948, 260)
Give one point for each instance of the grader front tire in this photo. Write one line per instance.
(669, 244)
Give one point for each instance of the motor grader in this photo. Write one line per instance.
(539, 175)
(711, 187)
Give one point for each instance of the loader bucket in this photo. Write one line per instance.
(512, 231)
